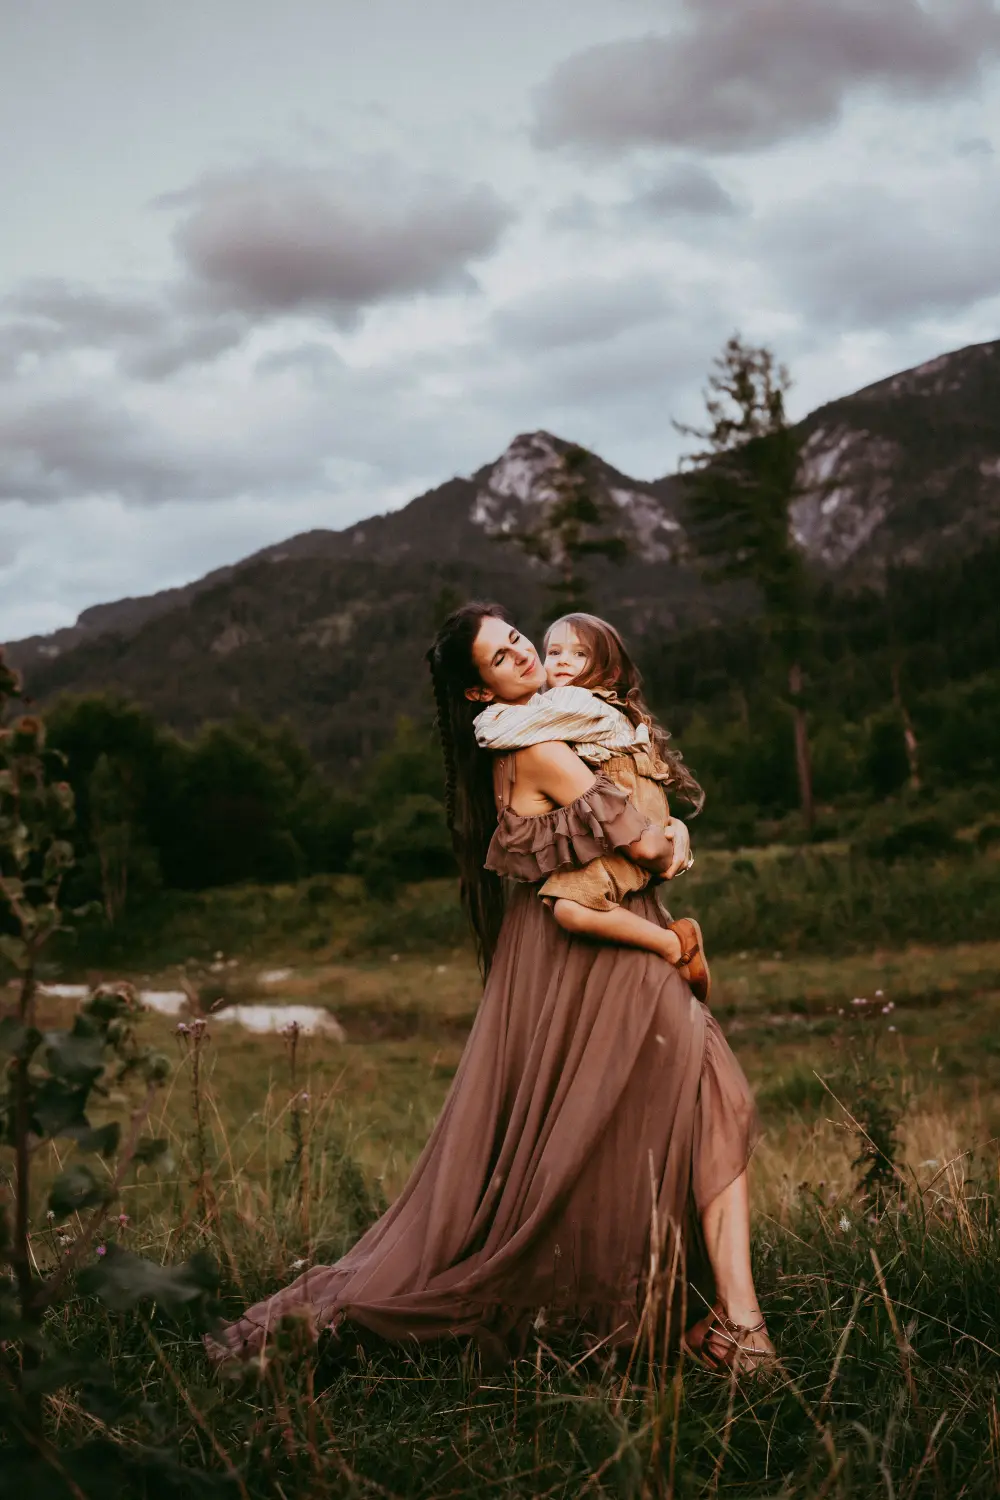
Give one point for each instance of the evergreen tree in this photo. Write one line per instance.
(742, 483)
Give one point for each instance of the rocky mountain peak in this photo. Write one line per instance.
(521, 476)
(522, 479)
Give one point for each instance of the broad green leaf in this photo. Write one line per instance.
(16, 1039)
(14, 950)
(58, 1107)
(77, 1188)
(154, 1151)
(122, 1280)
(102, 1138)
(77, 1058)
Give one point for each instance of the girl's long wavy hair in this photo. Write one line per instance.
(469, 801)
(612, 670)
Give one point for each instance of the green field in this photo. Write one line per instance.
(886, 1321)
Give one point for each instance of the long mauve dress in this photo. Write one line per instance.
(590, 1078)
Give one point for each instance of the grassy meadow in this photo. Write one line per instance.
(860, 998)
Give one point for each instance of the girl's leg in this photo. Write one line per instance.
(618, 926)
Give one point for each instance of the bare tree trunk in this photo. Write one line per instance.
(909, 733)
(803, 759)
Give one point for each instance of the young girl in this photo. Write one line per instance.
(594, 702)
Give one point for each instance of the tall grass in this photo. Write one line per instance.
(885, 1317)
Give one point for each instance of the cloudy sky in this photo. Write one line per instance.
(276, 264)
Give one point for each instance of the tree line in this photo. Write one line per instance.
(823, 715)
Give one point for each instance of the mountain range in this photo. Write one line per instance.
(329, 627)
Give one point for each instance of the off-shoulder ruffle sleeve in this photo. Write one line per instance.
(600, 821)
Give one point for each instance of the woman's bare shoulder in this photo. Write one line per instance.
(555, 770)
(548, 755)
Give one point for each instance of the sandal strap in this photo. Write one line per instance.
(740, 1329)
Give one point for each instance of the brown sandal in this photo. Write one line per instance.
(702, 1344)
(692, 963)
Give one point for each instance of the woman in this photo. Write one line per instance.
(596, 1099)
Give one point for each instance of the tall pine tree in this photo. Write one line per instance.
(741, 484)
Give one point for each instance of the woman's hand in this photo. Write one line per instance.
(664, 851)
(682, 858)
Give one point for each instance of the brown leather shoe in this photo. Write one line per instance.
(692, 964)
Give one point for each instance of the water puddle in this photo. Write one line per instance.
(167, 1002)
(270, 1018)
(263, 1019)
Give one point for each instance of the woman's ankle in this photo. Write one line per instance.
(746, 1314)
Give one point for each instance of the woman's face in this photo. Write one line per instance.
(565, 655)
(508, 664)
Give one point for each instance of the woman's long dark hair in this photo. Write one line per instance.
(610, 667)
(469, 801)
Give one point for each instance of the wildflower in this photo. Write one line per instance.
(878, 994)
(102, 1249)
(891, 1028)
(887, 1008)
(845, 1224)
(859, 1000)
(183, 1030)
(122, 1220)
(50, 1215)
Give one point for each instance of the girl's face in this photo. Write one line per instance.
(566, 657)
(508, 664)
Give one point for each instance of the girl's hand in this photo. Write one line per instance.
(682, 859)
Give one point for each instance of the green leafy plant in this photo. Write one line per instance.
(54, 1085)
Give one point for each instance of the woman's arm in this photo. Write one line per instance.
(556, 772)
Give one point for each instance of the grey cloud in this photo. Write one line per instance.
(859, 257)
(149, 335)
(741, 76)
(260, 244)
(324, 432)
(88, 317)
(55, 447)
(315, 360)
(585, 310)
(183, 342)
(675, 196)
(683, 188)
(278, 240)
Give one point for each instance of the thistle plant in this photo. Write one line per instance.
(51, 1082)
